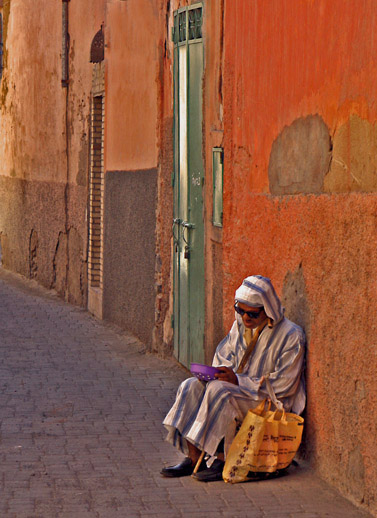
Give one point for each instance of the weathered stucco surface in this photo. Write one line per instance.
(131, 88)
(289, 92)
(45, 140)
(129, 261)
(213, 136)
(137, 165)
(354, 157)
(300, 80)
(305, 159)
(44, 144)
(325, 273)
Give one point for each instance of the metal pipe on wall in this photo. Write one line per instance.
(65, 44)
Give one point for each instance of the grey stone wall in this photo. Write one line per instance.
(129, 250)
(43, 234)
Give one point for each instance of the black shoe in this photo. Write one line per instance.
(252, 475)
(184, 469)
(215, 472)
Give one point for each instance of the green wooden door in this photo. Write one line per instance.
(188, 223)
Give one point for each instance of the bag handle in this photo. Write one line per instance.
(271, 393)
(260, 409)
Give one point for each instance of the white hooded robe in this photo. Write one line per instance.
(205, 413)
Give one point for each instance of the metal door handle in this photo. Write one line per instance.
(176, 221)
(186, 224)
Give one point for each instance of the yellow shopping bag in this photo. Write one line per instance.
(245, 446)
(266, 442)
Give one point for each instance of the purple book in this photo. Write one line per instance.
(203, 372)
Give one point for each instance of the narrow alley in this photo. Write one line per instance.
(81, 434)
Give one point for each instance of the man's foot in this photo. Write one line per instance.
(215, 472)
(183, 469)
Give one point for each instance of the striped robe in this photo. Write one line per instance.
(205, 413)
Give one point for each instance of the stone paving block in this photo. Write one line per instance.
(19, 485)
(78, 514)
(94, 482)
(106, 513)
(21, 504)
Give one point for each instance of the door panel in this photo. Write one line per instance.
(183, 296)
(188, 224)
(196, 177)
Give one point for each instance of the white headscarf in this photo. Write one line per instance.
(257, 291)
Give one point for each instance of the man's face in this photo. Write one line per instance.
(252, 322)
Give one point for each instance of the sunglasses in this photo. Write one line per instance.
(250, 314)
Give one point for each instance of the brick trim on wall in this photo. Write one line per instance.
(96, 179)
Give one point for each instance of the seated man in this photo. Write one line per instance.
(261, 342)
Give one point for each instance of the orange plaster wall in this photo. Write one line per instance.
(286, 59)
(85, 19)
(33, 121)
(295, 57)
(131, 85)
(163, 332)
(30, 88)
(213, 133)
(44, 143)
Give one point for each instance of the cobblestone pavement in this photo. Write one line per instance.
(81, 434)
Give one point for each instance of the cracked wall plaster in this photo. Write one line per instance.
(354, 161)
(33, 254)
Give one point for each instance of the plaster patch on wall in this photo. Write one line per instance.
(356, 473)
(354, 162)
(300, 157)
(79, 113)
(81, 177)
(296, 305)
(242, 157)
(294, 300)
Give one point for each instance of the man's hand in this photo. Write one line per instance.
(226, 374)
